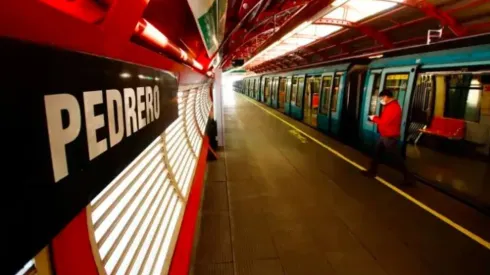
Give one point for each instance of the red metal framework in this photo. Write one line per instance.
(258, 27)
(104, 30)
(368, 31)
(404, 25)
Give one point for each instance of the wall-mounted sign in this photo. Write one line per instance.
(210, 16)
(71, 122)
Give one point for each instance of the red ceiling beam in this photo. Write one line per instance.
(376, 35)
(468, 5)
(443, 17)
(246, 7)
(431, 10)
(279, 19)
(237, 27)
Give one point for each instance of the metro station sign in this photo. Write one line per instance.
(71, 122)
(210, 16)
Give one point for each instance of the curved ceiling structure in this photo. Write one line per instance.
(279, 35)
(271, 35)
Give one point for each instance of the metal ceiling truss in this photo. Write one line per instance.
(432, 11)
(429, 9)
(376, 35)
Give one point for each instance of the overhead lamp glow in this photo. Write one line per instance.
(154, 35)
(308, 32)
(125, 75)
(183, 55)
(376, 56)
(197, 65)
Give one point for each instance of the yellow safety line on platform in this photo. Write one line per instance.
(436, 214)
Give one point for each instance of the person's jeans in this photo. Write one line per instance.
(388, 145)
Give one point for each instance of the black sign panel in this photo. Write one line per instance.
(71, 122)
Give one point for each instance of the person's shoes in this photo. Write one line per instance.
(368, 174)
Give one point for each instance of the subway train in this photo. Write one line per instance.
(444, 91)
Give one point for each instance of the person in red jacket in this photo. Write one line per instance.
(389, 124)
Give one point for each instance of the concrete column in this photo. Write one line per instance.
(218, 105)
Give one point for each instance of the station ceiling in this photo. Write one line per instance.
(272, 35)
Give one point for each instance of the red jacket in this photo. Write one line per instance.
(390, 120)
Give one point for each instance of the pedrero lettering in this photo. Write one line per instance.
(127, 113)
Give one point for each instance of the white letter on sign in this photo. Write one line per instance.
(114, 97)
(149, 105)
(59, 137)
(129, 110)
(140, 92)
(93, 122)
(156, 102)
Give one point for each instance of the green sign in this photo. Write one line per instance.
(210, 16)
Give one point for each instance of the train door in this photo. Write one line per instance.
(422, 107)
(310, 104)
(336, 102)
(267, 90)
(351, 103)
(400, 81)
(287, 100)
(282, 94)
(275, 92)
(324, 107)
(251, 87)
(257, 89)
(262, 90)
(297, 95)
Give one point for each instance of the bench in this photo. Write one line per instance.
(450, 128)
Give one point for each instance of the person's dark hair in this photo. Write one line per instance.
(386, 92)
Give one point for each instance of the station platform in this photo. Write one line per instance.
(286, 199)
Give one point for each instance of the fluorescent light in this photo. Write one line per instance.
(197, 65)
(307, 33)
(154, 35)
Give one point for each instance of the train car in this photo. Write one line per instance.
(316, 96)
(444, 95)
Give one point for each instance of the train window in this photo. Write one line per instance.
(335, 92)
(374, 95)
(299, 98)
(294, 90)
(327, 87)
(463, 93)
(396, 83)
